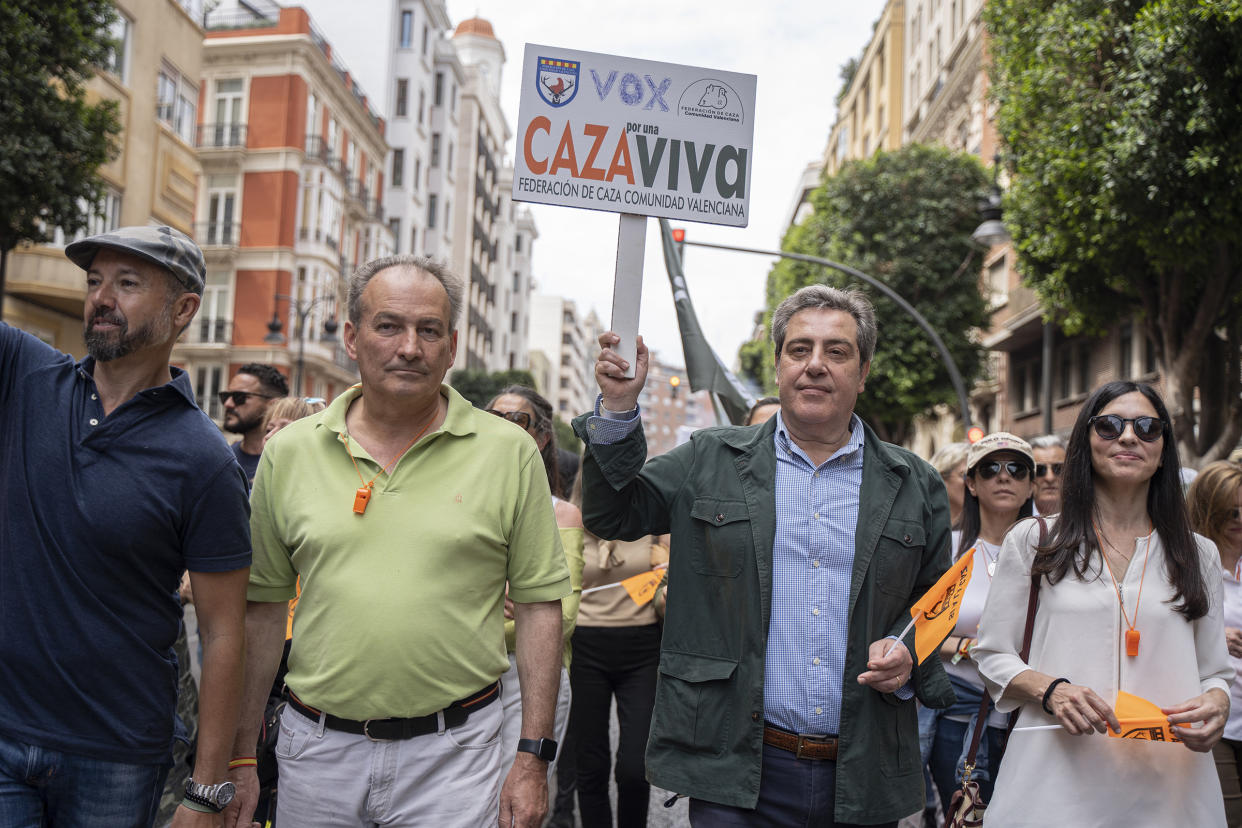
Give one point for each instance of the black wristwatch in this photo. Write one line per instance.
(544, 749)
(215, 797)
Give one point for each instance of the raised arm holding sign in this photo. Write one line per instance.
(756, 556)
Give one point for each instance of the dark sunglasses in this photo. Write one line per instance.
(1041, 469)
(519, 417)
(1016, 470)
(1110, 427)
(242, 397)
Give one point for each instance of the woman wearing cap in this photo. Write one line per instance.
(1129, 601)
(1215, 501)
(998, 489)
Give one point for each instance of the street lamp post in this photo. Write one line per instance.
(955, 376)
(302, 310)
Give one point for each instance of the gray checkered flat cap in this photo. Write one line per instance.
(170, 249)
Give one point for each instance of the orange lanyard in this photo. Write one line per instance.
(1132, 634)
(363, 495)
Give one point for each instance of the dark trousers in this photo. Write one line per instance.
(1228, 756)
(607, 662)
(793, 793)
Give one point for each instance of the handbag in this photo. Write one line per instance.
(967, 808)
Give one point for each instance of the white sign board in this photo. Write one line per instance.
(634, 136)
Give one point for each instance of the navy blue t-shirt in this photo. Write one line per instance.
(248, 462)
(100, 516)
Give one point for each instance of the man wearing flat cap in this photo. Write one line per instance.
(114, 482)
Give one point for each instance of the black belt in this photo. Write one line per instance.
(386, 730)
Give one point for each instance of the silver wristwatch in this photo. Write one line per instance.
(215, 797)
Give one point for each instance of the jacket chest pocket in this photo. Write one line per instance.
(899, 556)
(721, 536)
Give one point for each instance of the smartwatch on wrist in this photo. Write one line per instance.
(543, 749)
(215, 797)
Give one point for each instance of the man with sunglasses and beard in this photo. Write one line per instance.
(114, 481)
(250, 393)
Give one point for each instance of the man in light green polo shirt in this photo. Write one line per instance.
(404, 511)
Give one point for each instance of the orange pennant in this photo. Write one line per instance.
(935, 614)
(642, 586)
(1141, 719)
(293, 605)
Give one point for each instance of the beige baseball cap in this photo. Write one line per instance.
(998, 441)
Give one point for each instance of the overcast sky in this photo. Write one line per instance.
(795, 47)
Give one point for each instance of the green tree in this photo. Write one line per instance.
(52, 141)
(480, 387)
(905, 218)
(1124, 127)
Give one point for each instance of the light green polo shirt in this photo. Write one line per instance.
(402, 608)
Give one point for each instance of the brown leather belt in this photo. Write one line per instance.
(800, 744)
(383, 730)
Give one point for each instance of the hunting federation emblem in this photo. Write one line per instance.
(557, 80)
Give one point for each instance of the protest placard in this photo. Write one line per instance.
(634, 136)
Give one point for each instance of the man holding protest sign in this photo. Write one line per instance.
(799, 547)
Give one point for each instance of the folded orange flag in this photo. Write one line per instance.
(934, 615)
(642, 586)
(1141, 719)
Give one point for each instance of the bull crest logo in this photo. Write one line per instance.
(556, 80)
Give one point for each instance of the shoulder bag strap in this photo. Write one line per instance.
(1032, 604)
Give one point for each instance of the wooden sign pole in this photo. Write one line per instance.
(627, 289)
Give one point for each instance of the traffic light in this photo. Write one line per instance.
(975, 434)
(673, 382)
(679, 242)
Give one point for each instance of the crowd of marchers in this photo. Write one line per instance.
(412, 611)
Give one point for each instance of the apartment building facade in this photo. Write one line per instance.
(154, 77)
(563, 338)
(292, 154)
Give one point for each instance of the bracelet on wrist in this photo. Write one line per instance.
(1048, 693)
(243, 762)
(194, 806)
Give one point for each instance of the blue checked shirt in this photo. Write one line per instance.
(812, 565)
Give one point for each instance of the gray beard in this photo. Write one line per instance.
(107, 347)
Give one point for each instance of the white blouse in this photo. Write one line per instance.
(1053, 778)
(973, 601)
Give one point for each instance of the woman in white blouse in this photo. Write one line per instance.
(1129, 600)
(998, 489)
(1215, 501)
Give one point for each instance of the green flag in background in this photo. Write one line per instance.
(704, 369)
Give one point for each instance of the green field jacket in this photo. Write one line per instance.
(715, 495)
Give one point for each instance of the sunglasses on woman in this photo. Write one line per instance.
(519, 417)
(1016, 470)
(1110, 427)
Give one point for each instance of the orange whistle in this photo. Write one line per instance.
(1132, 642)
(361, 498)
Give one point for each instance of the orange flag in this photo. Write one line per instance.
(934, 615)
(1141, 719)
(642, 586)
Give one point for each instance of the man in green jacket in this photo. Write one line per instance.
(798, 547)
